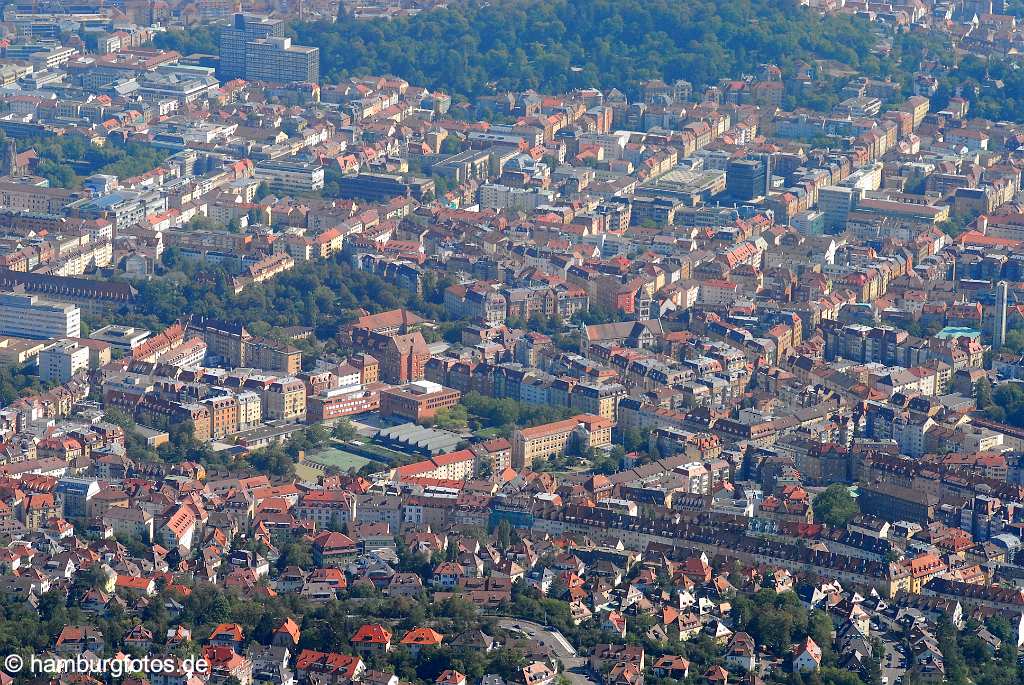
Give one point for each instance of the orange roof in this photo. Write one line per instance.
(289, 626)
(133, 583)
(372, 634)
(925, 564)
(232, 631)
(329, 662)
(422, 636)
(982, 240)
(223, 657)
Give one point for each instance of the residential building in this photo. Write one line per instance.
(62, 361)
(532, 445)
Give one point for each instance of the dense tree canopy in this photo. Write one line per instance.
(778, 620)
(198, 39)
(473, 48)
(491, 412)
(322, 294)
(835, 507)
(1004, 404)
(995, 88)
(65, 160)
(18, 381)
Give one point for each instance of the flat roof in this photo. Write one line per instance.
(958, 332)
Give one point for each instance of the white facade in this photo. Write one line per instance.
(29, 316)
(63, 360)
(250, 410)
(495, 196)
(124, 338)
(297, 176)
(836, 202)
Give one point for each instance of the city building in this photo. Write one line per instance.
(533, 445)
(30, 316)
(338, 402)
(999, 315)
(285, 400)
(746, 179)
(417, 401)
(276, 59)
(63, 360)
(235, 39)
(76, 494)
(292, 176)
(383, 187)
(123, 338)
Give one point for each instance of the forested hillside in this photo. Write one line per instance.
(557, 45)
(474, 48)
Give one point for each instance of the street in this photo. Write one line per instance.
(886, 629)
(574, 667)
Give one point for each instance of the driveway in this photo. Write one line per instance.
(573, 666)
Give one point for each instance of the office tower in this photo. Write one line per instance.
(745, 179)
(30, 316)
(234, 41)
(836, 203)
(999, 321)
(276, 59)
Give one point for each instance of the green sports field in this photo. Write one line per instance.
(332, 456)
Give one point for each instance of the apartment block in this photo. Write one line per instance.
(285, 400)
(61, 361)
(250, 410)
(223, 415)
(599, 400)
(235, 38)
(291, 175)
(532, 445)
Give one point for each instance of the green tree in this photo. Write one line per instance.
(633, 440)
(946, 635)
(835, 507)
(776, 620)
(561, 45)
(296, 554)
(503, 534)
(273, 461)
(343, 430)
(201, 39)
(453, 418)
(983, 393)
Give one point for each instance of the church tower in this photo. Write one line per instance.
(10, 167)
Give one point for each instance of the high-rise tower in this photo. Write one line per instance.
(999, 321)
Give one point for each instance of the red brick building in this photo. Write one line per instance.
(403, 357)
(417, 401)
